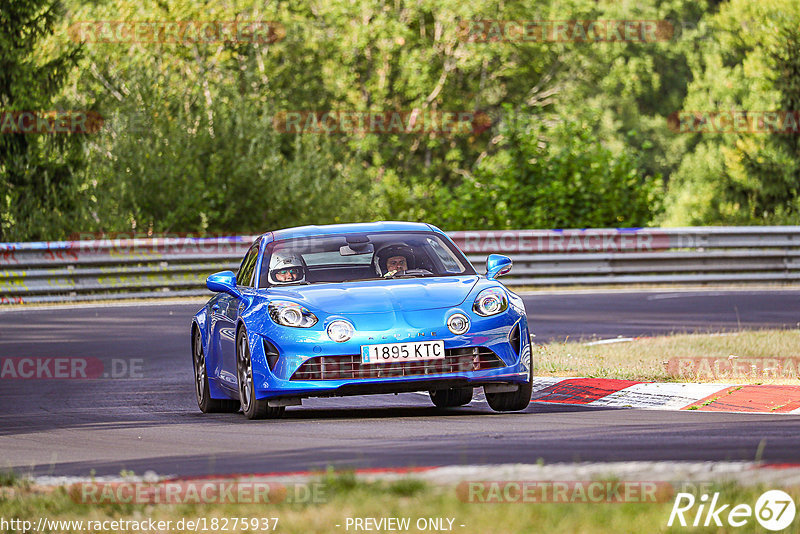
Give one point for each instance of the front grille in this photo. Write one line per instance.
(349, 367)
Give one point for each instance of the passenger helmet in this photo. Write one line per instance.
(286, 262)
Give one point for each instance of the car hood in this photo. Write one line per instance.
(374, 296)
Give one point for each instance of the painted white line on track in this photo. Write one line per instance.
(610, 341)
(689, 294)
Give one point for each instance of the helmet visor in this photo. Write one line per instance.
(287, 274)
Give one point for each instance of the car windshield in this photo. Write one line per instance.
(362, 256)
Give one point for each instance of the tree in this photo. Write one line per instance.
(38, 191)
(744, 175)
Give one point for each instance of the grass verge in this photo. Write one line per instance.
(346, 496)
(746, 357)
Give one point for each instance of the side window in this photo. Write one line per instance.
(245, 275)
(451, 264)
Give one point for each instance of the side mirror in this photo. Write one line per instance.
(223, 282)
(497, 265)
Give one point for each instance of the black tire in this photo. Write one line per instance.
(251, 407)
(201, 389)
(512, 401)
(450, 398)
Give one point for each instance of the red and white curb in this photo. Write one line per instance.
(606, 392)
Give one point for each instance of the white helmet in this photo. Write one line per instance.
(286, 268)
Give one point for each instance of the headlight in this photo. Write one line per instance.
(291, 314)
(340, 331)
(458, 323)
(490, 301)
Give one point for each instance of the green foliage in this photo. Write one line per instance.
(189, 143)
(220, 167)
(39, 194)
(9, 478)
(557, 175)
(209, 159)
(408, 487)
(340, 482)
(752, 62)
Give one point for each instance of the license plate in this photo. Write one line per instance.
(402, 352)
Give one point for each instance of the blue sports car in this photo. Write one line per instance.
(355, 309)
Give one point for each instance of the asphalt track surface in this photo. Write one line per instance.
(74, 427)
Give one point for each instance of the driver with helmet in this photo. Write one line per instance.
(394, 259)
(286, 268)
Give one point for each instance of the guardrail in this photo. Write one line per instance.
(177, 267)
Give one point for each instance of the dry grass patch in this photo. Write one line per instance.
(728, 356)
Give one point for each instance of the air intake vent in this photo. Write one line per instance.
(349, 367)
(514, 339)
(272, 354)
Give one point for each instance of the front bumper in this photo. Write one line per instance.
(495, 350)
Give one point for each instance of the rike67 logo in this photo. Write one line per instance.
(774, 510)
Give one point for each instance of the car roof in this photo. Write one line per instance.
(329, 229)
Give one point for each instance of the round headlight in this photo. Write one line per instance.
(458, 323)
(490, 302)
(291, 316)
(340, 331)
(287, 313)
